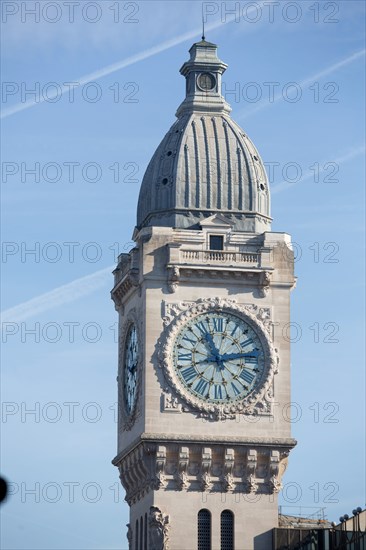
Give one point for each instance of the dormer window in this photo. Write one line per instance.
(216, 242)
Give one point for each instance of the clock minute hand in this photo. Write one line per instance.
(209, 359)
(229, 356)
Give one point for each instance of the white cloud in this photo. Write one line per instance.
(308, 80)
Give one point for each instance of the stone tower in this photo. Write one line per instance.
(204, 363)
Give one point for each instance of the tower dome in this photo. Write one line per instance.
(205, 164)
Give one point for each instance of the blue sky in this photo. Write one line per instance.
(77, 211)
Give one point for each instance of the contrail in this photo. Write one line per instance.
(310, 79)
(310, 173)
(87, 285)
(58, 296)
(109, 69)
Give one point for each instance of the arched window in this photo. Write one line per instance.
(227, 530)
(204, 530)
(141, 532)
(137, 535)
(145, 539)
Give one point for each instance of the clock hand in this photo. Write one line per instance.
(210, 358)
(229, 356)
(209, 339)
(220, 364)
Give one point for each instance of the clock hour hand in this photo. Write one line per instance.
(209, 339)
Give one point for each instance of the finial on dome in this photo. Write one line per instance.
(203, 28)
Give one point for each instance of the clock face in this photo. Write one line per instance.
(219, 357)
(131, 354)
(206, 81)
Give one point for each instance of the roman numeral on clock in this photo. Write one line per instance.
(184, 356)
(235, 388)
(202, 328)
(246, 342)
(234, 330)
(218, 391)
(189, 374)
(201, 386)
(218, 324)
(189, 340)
(247, 376)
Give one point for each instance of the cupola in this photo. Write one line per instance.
(206, 163)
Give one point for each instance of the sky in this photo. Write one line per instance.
(106, 85)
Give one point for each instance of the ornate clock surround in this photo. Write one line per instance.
(257, 318)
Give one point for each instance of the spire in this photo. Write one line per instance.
(203, 28)
(203, 72)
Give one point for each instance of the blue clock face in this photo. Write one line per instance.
(131, 354)
(219, 357)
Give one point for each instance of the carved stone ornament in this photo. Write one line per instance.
(160, 478)
(173, 278)
(252, 485)
(182, 481)
(177, 315)
(172, 310)
(228, 482)
(127, 419)
(171, 403)
(156, 466)
(161, 481)
(182, 475)
(277, 466)
(129, 281)
(264, 281)
(206, 482)
(158, 529)
(275, 484)
(229, 461)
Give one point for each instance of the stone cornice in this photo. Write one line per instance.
(159, 462)
(203, 213)
(280, 442)
(124, 286)
(221, 440)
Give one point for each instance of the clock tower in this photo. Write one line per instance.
(204, 359)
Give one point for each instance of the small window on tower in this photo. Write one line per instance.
(216, 242)
(204, 530)
(227, 530)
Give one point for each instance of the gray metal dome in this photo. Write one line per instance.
(205, 163)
